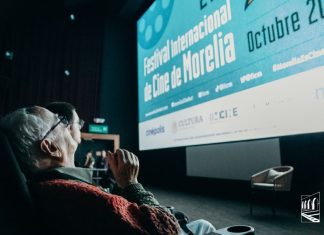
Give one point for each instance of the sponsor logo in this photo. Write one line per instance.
(182, 101)
(250, 77)
(202, 94)
(190, 121)
(174, 127)
(187, 123)
(224, 114)
(310, 208)
(223, 86)
(155, 131)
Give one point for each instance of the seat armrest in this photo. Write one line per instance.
(235, 229)
(283, 182)
(259, 177)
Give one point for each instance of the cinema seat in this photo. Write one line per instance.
(272, 180)
(16, 207)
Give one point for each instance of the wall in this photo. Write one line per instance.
(45, 43)
(306, 154)
(118, 94)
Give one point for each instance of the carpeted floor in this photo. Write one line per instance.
(222, 212)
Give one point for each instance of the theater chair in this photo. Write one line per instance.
(16, 207)
(272, 180)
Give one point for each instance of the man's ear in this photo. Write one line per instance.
(50, 149)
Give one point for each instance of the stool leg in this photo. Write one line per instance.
(251, 201)
(274, 204)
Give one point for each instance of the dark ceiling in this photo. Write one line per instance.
(100, 5)
(128, 9)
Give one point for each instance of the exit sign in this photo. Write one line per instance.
(101, 129)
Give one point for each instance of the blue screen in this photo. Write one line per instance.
(225, 70)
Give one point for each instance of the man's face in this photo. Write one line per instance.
(75, 128)
(63, 139)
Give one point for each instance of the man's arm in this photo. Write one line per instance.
(125, 167)
(136, 193)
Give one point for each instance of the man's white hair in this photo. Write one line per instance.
(25, 127)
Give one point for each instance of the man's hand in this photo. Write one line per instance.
(124, 166)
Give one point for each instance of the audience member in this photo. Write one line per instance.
(67, 110)
(89, 160)
(64, 193)
(101, 160)
(107, 180)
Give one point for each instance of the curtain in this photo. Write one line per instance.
(46, 42)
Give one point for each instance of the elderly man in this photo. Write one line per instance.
(67, 110)
(64, 195)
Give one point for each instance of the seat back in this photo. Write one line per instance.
(286, 178)
(283, 168)
(279, 176)
(16, 210)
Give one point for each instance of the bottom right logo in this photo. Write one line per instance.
(310, 208)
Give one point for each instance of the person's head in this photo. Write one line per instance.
(39, 139)
(89, 161)
(68, 110)
(103, 153)
(89, 153)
